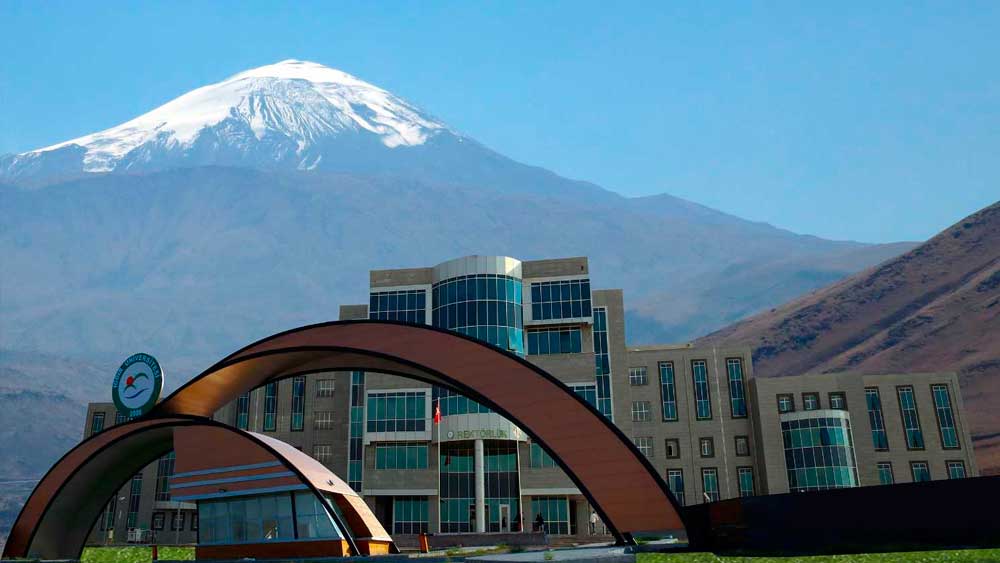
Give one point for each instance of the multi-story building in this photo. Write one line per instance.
(713, 429)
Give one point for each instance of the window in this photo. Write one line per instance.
(945, 417)
(250, 519)
(876, 419)
(637, 376)
(588, 391)
(956, 470)
(745, 477)
(97, 423)
(356, 431)
(672, 448)
(487, 307)
(702, 396)
(323, 453)
(409, 515)
(134, 496)
(323, 420)
(271, 407)
(602, 362)
(324, 388)
(742, 446)
(404, 305)
(885, 476)
(539, 458)
(555, 511)
(164, 470)
(668, 391)
(158, 520)
(920, 471)
(819, 452)
(810, 401)
(177, 520)
(911, 420)
(640, 411)
(400, 455)
(397, 411)
(565, 340)
(120, 418)
(838, 401)
(242, 411)
(311, 518)
(675, 481)
(737, 393)
(645, 445)
(107, 519)
(298, 403)
(710, 484)
(707, 447)
(786, 403)
(565, 299)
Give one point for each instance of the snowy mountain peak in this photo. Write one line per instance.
(291, 113)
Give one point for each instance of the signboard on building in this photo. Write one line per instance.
(137, 385)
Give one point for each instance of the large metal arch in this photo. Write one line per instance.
(619, 481)
(62, 509)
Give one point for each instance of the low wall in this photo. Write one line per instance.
(933, 514)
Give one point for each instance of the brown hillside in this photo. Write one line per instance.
(935, 308)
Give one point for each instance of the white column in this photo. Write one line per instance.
(480, 488)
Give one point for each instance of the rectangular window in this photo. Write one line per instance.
(107, 519)
(710, 484)
(810, 401)
(397, 411)
(539, 458)
(242, 411)
(956, 470)
(786, 403)
(323, 453)
(675, 480)
(920, 471)
(401, 455)
(945, 417)
(640, 411)
(745, 475)
(324, 388)
(323, 420)
(668, 391)
(838, 401)
(409, 515)
(588, 391)
(911, 419)
(637, 376)
(408, 305)
(702, 395)
(673, 448)
(707, 447)
(561, 299)
(298, 403)
(876, 419)
(271, 406)
(645, 445)
(555, 513)
(563, 340)
(164, 470)
(134, 496)
(885, 476)
(97, 423)
(355, 440)
(737, 393)
(120, 418)
(742, 446)
(602, 362)
(158, 520)
(177, 520)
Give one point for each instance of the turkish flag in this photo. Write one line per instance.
(437, 413)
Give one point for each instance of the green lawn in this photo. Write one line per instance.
(950, 556)
(133, 554)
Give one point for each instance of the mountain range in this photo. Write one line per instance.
(934, 308)
(259, 203)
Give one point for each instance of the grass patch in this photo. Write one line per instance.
(947, 556)
(133, 554)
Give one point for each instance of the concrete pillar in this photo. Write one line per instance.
(480, 488)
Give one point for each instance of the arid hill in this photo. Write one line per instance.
(934, 308)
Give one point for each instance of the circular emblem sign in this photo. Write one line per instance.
(137, 385)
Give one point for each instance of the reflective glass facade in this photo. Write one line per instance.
(565, 299)
(401, 455)
(404, 305)
(502, 483)
(876, 419)
(134, 496)
(453, 403)
(483, 306)
(355, 440)
(397, 411)
(588, 391)
(409, 515)
(555, 341)
(539, 458)
(457, 487)
(265, 518)
(555, 512)
(602, 361)
(164, 470)
(945, 416)
(819, 453)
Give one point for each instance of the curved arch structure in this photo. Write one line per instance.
(62, 509)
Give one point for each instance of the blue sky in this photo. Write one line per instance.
(865, 121)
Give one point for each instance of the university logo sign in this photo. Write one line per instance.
(137, 385)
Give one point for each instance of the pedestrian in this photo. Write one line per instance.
(593, 523)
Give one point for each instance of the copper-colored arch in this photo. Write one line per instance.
(59, 514)
(619, 481)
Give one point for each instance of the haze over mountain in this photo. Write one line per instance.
(260, 203)
(935, 308)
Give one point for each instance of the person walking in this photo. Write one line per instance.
(593, 522)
